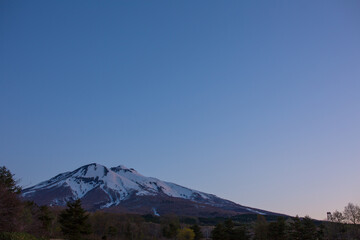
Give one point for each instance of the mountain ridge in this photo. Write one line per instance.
(124, 189)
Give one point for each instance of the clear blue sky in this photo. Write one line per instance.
(254, 101)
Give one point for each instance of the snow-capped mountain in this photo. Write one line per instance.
(124, 189)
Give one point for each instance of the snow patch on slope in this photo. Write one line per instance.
(155, 212)
(255, 211)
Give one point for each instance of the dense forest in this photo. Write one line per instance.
(28, 221)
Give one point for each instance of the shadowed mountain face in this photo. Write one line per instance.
(122, 189)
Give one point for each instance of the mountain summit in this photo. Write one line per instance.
(123, 189)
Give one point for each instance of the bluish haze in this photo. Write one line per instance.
(255, 101)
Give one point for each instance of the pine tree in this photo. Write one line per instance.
(309, 229)
(240, 233)
(74, 221)
(45, 217)
(320, 232)
(218, 233)
(197, 231)
(261, 228)
(276, 230)
(171, 230)
(10, 204)
(229, 228)
(296, 229)
(7, 180)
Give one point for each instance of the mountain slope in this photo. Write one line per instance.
(125, 190)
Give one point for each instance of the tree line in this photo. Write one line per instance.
(345, 224)
(28, 221)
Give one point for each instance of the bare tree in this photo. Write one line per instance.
(352, 213)
(337, 217)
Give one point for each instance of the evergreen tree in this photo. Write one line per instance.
(10, 204)
(171, 230)
(276, 230)
(73, 221)
(272, 231)
(7, 180)
(295, 229)
(219, 232)
(320, 232)
(260, 228)
(240, 233)
(171, 226)
(197, 231)
(229, 229)
(45, 217)
(308, 229)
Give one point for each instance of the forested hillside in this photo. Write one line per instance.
(27, 221)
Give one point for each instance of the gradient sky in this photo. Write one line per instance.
(257, 102)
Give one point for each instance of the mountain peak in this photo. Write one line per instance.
(91, 170)
(100, 187)
(124, 169)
